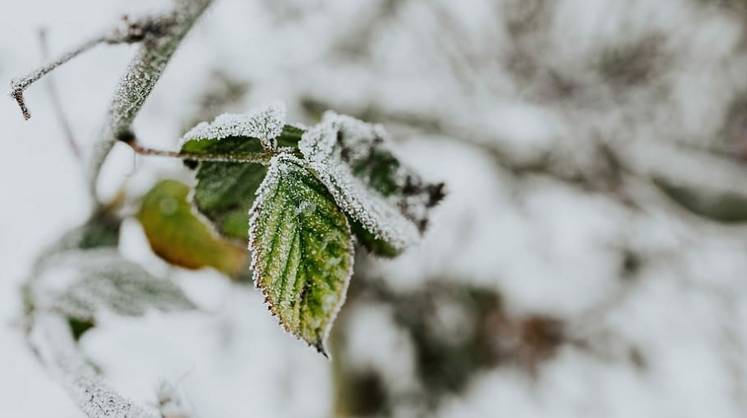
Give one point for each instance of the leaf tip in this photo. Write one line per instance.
(321, 349)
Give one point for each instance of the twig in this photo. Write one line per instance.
(17, 86)
(56, 102)
(126, 32)
(138, 82)
(53, 341)
(50, 334)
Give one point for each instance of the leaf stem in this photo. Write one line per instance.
(258, 158)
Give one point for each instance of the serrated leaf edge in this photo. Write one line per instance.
(264, 123)
(372, 210)
(273, 175)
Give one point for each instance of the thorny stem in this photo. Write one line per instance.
(56, 102)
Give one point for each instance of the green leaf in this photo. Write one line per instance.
(388, 202)
(178, 236)
(302, 250)
(225, 190)
(100, 231)
(382, 171)
(371, 243)
(79, 327)
(81, 283)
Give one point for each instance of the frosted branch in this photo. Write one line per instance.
(53, 342)
(18, 85)
(96, 280)
(125, 32)
(138, 81)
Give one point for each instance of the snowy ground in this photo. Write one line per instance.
(518, 106)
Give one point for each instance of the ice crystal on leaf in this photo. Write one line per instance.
(389, 202)
(79, 284)
(323, 185)
(225, 191)
(302, 250)
(265, 124)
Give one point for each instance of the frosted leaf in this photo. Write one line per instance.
(225, 191)
(79, 284)
(355, 161)
(302, 250)
(265, 123)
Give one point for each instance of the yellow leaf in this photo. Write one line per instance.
(180, 237)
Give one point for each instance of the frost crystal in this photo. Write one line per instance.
(78, 284)
(302, 250)
(334, 148)
(264, 123)
(53, 343)
(97, 280)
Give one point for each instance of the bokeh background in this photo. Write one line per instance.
(590, 259)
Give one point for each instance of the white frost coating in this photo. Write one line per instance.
(376, 213)
(80, 284)
(265, 123)
(53, 343)
(277, 170)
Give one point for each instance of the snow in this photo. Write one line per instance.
(266, 124)
(54, 344)
(82, 284)
(377, 214)
(550, 246)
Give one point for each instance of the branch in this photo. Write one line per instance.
(52, 340)
(48, 311)
(17, 86)
(139, 79)
(126, 32)
(49, 333)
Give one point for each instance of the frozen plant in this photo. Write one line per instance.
(312, 195)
